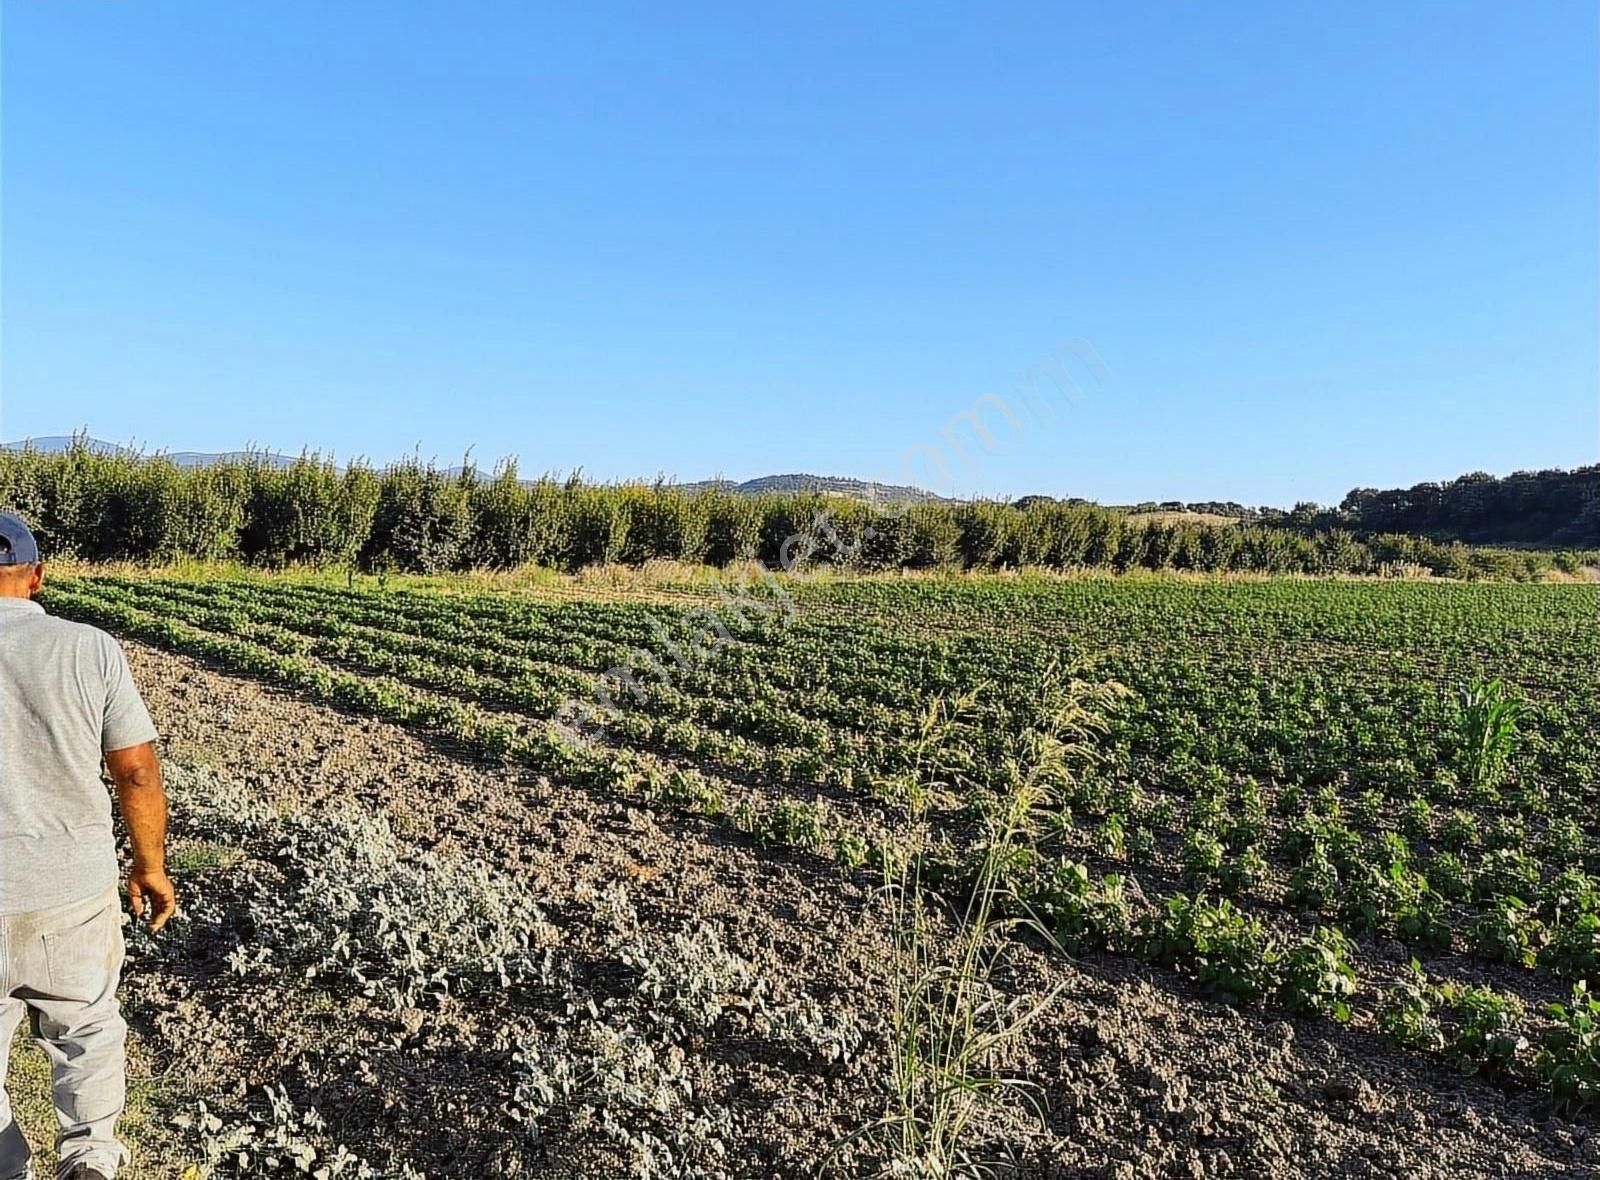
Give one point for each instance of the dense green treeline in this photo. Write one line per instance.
(1552, 508)
(414, 516)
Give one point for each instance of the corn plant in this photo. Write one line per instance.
(1488, 720)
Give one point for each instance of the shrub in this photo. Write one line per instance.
(422, 521)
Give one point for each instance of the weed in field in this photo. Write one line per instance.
(619, 1069)
(1488, 720)
(356, 909)
(632, 1091)
(276, 1138)
(688, 978)
(949, 1024)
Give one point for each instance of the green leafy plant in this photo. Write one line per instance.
(1219, 944)
(1506, 872)
(1202, 855)
(1563, 842)
(1417, 820)
(1371, 809)
(1460, 831)
(1314, 884)
(1574, 946)
(1111, 840)
(1481, 1027)
(1448, 874)
(1569, 1058)
(1242, 871)
(1507, 932)
(1317, 976)
(1408, 1015)
(1569, 893)
(1488, 720)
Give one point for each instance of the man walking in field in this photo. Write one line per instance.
(67, 701)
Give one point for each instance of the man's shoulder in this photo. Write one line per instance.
(61, 630)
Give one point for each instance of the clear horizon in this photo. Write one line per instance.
(1156, 254)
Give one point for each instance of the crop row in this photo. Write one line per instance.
(1361, 828)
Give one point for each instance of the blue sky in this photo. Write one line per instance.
(1314, 246)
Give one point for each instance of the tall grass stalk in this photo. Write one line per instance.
(950, 1025)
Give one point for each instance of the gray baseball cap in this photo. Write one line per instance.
(17, 546)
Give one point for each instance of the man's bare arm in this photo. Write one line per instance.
(143, 800)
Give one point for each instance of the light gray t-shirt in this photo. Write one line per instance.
(66, 696)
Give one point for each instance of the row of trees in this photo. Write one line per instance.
(413, 516)
(1552, 508)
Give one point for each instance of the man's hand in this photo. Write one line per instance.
(152, 896)
(137, 774)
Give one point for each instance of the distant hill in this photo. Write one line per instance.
(828, 485)
(55, 444)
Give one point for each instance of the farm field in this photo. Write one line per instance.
(1304, 916)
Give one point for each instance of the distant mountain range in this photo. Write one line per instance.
(831, 485)
(54, 444)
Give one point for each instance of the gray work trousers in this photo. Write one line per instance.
(60, 967)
